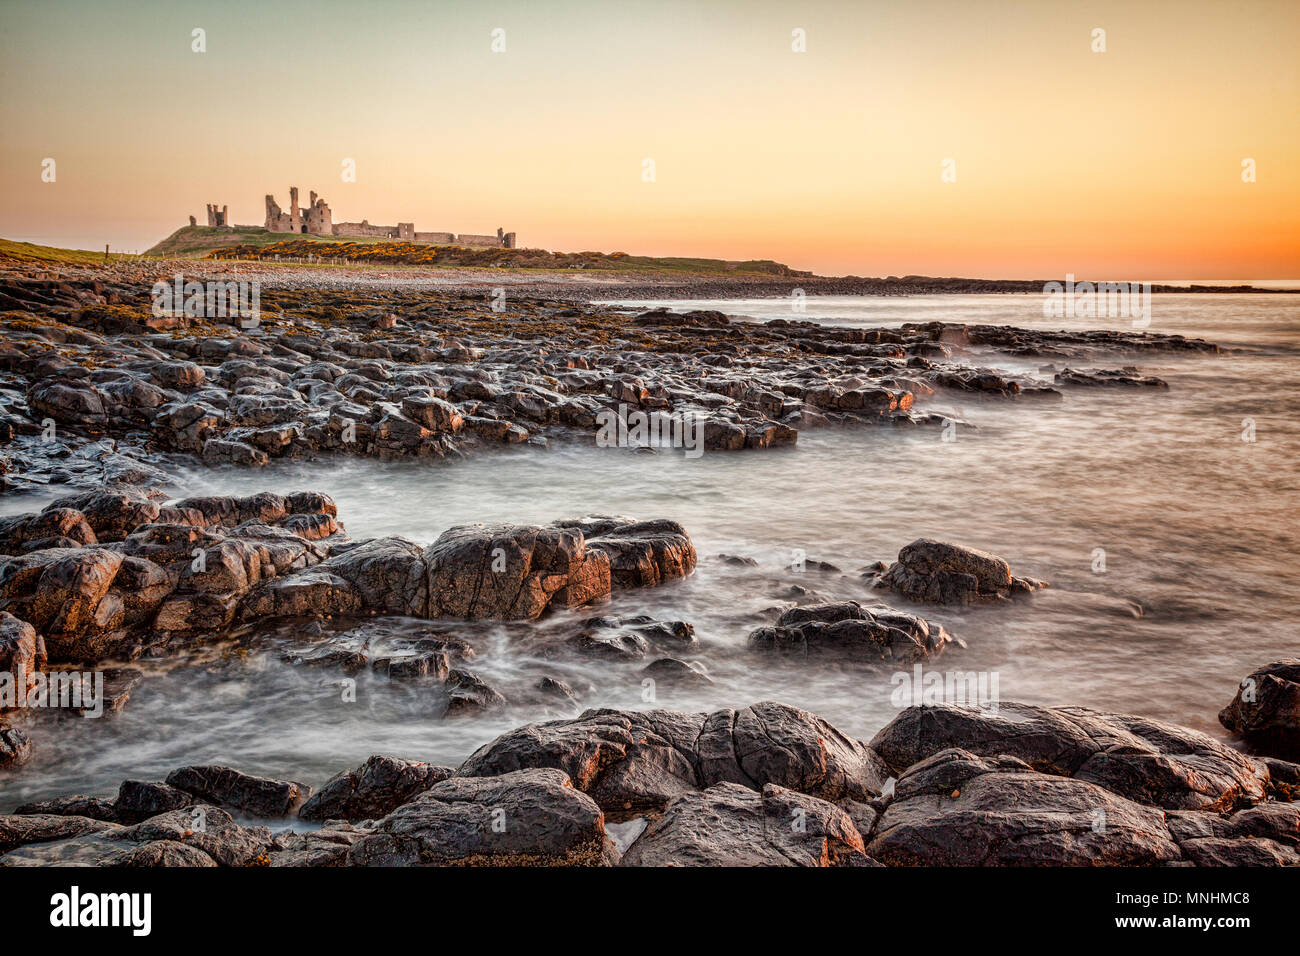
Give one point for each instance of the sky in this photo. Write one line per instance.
(970, 138)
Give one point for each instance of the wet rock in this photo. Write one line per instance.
(168, 853)
(173, 568)
(639, 761)
(387, 574)
(731, 825)
(377, 787)
(1127, 377)
(22, 653)
(112, 514)
(468, 694)
(26, 829)
(91, 808)
(1263, 835)
(952, 810)
(511, 572)
(227, 452)
(848, 631)
(328, 846)
(1143, 760)
(1266, 708)
(609, 644)
(671, 671)
(934, 572)
(256, 796)
(15, 747)
(207, 830)
(557, 689)
(528, 817)
(139, 800)
(181, 375)
(641, 553)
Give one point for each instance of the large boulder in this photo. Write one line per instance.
(632, 762)
(1143, 760)
(935, 572)
(641, 553)
(959, 809)
(528, 817)
(732, 825)
(511, 572)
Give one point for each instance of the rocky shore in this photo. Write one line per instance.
(388, 373)
(102, 396)
(767, 785)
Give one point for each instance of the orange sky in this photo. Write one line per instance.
(1122, 164)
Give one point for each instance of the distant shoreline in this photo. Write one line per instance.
(710, 281)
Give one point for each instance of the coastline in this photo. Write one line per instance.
(389, 371)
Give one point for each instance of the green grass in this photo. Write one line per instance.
(30, 252)
(200, 242)
(195, 242)
(395, 252)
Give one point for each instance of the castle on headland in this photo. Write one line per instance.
(316, 220)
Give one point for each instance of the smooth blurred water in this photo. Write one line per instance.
(1200, 586)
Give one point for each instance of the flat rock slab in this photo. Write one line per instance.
(1144, 760)
(960, 809)
(257, 796)
(731, 825)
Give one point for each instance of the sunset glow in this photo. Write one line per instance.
(1126, 163)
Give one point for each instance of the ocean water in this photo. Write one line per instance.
(1200, 582)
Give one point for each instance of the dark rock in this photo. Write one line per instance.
(1143, 760)
(1266, 709)
(257, 796)
(849, 631)
(469, 694)
(139, 800)
(639, 761)
(377, 787)
(934, 572)
(731, 825)
(670, 671)
(528, 817)
(25, 829)
(952, 810)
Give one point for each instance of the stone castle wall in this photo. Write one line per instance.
(317, 220)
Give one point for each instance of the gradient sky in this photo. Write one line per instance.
(1123, 164)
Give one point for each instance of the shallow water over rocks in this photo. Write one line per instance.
(1197, 526)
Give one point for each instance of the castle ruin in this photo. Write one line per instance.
(317, 220)
(218, 218)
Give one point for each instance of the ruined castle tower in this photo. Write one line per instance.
(315, 220)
